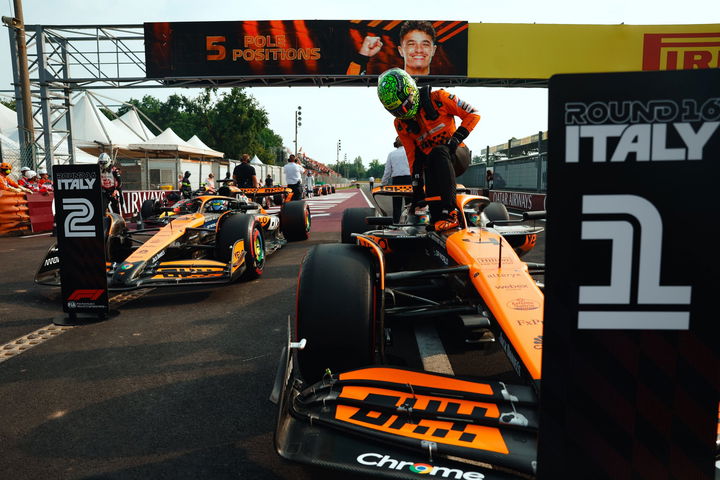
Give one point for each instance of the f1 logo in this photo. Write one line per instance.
(618, 293)
(87, 294)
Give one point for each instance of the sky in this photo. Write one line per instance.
(353, 114)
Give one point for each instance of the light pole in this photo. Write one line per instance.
(298, 123)
(337, 156)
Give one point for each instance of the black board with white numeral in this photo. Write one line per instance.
(630, 344)
(81, 240)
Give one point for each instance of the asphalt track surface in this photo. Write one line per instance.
(175, 385)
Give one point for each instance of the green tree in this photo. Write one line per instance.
(232, 121)
(375, 169)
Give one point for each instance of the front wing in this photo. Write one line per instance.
(398, 423)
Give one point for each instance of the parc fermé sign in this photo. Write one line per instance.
(630, 357)
(80, 239)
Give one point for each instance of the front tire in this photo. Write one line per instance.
(295, 221)
(353, 221)
(335, 310)
(242, 227)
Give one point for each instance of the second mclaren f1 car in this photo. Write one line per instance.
(346, 400)
(199, 241)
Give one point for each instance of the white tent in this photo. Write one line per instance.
(168, 141)
(256, 161)
(92, 129)
(8, 120)
(209, 152)
(131, 121)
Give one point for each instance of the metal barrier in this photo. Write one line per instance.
(526, 174)
(14, 216)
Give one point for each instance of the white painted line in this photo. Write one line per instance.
(37, 235)
(320, 215)
(370, 204)
(432, 353)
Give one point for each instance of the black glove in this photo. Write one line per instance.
(453, 143)
(457, 138)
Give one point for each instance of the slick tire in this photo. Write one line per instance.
(496, 211)
(353, 221)
(149, 208)
(335, 310)
(295, 221)
(242, 227)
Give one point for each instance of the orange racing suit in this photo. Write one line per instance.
(425, 140)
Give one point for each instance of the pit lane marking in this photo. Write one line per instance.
(33, 339)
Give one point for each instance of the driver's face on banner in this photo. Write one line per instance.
(417, 49)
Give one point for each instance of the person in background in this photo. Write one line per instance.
(244, 174)
(210, 183)
(179, 182)
(397, 172)
(309, 184)
(433, 143)
(29, 180)
(44, 181)
(7, 182)
(269, 180)
(293, 176)
(185, 186)
(110, 182)
(489, 179)
(371, 181)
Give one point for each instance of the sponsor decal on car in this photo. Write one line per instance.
(380, 460)
(51, 261)
(511, 286)
(445, 431)
(523, 304)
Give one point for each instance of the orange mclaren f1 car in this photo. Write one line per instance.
(347, 402)
(203, 240)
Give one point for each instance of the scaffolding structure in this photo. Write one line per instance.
(66, 59)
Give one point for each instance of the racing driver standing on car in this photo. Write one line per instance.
(425, 124)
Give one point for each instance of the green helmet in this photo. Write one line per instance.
(398, 93)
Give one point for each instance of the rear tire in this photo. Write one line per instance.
(242, 227)
(149, 208)
(353, 221)
(496, 211)
(335, 310)
(295, 221)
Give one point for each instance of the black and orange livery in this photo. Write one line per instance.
(345, 404)
(209, 239)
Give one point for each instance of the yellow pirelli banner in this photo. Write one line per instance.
(532, 51)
